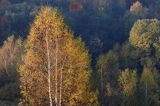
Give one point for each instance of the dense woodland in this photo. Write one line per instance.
(80, 53)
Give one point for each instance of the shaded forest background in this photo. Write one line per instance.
(105, 27)
(99, 22)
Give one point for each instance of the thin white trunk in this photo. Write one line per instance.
(61, 84)
(5, 65)
(60, 88)
(49, 71)
(56, 74)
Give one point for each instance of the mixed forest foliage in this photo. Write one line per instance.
(80, 52)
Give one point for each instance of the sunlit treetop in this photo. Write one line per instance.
(145, 34)
(139, 9)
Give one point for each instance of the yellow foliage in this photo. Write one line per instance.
(127, 81)
(72, 56)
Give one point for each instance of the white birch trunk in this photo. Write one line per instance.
(60, 95)
(56, 74)
(61, 84)
(49, 72)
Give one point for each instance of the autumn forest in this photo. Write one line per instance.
(79, 52)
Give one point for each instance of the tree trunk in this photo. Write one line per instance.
(101, 86)
(49, 72)
(60, 95)
(56, 73)
(61, 82)
(146, 93)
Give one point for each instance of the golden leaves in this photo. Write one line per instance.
(127, 81)
(71, 55)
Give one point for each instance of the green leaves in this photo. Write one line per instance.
(148, 78)
(127, 81)
(145, 34)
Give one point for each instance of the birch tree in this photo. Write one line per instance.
(56, 68)
(145, 34)
(148, 83)
(42, 52)
(10, 56)
(128, 82)
(107, 66)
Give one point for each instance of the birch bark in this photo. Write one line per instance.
(49, 71)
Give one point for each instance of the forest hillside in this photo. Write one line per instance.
(79, 52)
